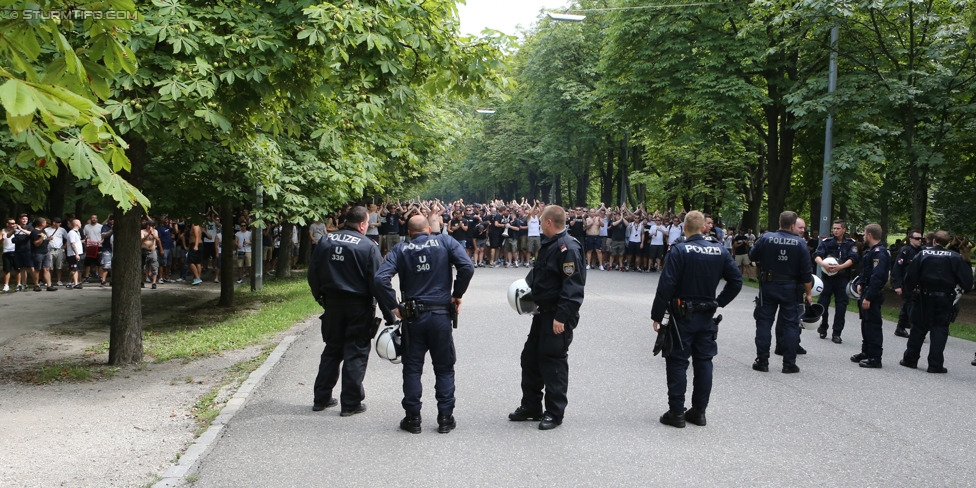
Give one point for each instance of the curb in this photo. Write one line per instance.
(175, 475)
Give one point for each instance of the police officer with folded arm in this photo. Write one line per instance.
(933, 277)
(340, 275)
(875, 265)
(429, 308)
(836, 275)
(557, 279)
(785, 283)
(687, 287)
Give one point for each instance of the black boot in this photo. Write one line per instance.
(411, 423)
(445, 423)
(674, 418)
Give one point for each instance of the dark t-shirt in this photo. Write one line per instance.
(34, 236)
(576, 229)
(618, 232)
(737, 249)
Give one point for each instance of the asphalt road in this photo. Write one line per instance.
(833, 424)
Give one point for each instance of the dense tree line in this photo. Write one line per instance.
(181, 103)
(722, 106)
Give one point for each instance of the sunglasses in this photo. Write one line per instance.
(915, 237)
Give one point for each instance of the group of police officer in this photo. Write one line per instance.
(347, 273)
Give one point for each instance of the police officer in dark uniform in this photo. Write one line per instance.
(870, 283)
(557, 278)
(785, 282)
(905, 256)
(835, 277)
(428, 310)
(933, 277)
(340, 275)
(687, 289)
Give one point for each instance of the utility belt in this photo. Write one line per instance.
(937, 294)
(769, 276)
(411, 309)
(681, 308)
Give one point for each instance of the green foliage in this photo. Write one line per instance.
(56, 71)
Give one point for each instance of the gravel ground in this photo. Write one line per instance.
(121, 431)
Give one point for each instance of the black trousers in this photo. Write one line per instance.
(905, 319)
(545, 365)
(930, 314)
(697, 332)
(345, 329)
(836, 287)
(431, 332)
(871, 333)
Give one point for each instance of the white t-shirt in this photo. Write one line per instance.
(605, 227)
(674, 232)
(8, 242)
(93, 232)
(243, 240)
(74, 243)
(657, 235)
(634, 230)
(209, 228)
(57, 237)
(535, 226)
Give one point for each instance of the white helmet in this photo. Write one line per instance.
(520, 297)
(388, 342)
(852, 290)
(830, 260)
(959, 292)
(812, 313)
(817, 286)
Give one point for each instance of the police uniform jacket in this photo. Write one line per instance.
(874, 272)
(692, 271)
(782, 256)
(558, 276)
(343, 265)
(898, 269)
(938, 270)
(841, 251)
(424, 267)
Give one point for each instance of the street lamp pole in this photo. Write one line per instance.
(826, 192)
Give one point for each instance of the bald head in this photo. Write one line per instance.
(800, 227)
(418, 224)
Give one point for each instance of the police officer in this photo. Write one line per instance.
(785, 280)
(870, 284)
(905, 256)
(340, 275)
(687, 288)
(557, 278)
(933, 276)
(428, 309)
(835, 276)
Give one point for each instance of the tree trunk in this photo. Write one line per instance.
(283, 268)
(228, 253)
(59, 188)
(125, 340)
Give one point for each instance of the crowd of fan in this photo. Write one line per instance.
(52, 253)
(45, 254)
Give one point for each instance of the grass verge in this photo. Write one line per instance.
(208, 407)
(258, 316)
(53, 371)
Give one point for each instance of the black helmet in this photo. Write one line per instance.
(812, 314)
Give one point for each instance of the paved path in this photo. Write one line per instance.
(833, 424)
